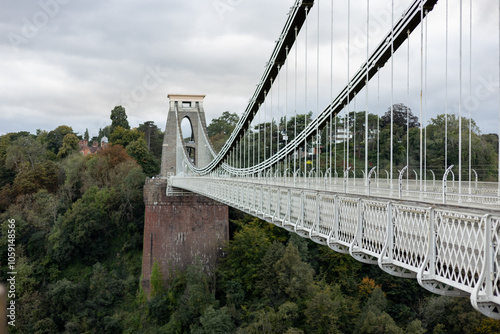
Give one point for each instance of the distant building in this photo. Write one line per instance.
(85, 149)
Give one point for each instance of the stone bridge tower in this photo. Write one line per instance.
(181, 107)
(180, 226)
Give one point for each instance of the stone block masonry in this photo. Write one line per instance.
(179, 229)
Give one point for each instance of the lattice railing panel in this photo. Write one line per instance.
(459, 248)
(410, 235)
(348, 219)
(374, 232)
(296, 207)
(283, 204)
(274, 202)
(266, 201)
(326, 215)
(309, 210)
(495, 242)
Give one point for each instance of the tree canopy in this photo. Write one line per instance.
(118, 118)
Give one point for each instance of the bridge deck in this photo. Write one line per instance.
(450, 249)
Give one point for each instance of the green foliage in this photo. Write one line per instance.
(214, 321)
(373, 318)
(139, 151)
(484, 158)
(118, 118)
(25, 152)
(402, 117)
(42, 176)
(268, 282)
(153, 136)
(156, 281)
(224, 124)
(296, 124)
(88, 222)
(295, 278)
(268, 320)
(221, 128)
(323, 310)
(122, 136)
(70, 144)
(54, 139)
(244, 253)
(80, 227)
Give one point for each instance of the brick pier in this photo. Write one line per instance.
(180, 228)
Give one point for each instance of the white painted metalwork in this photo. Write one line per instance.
(444, 235)
(451, 250)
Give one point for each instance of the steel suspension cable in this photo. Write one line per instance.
(278, 118)
(378, 125)
(392, 95)
(470, 97)
(305, 90)
(460, 111)
(348, 128)
(318, 141)
(295, 118)
(265, 126)
(408, 111)
(286, 106)
(272, 121)
(367, 79)
(421, 89)
(426, 48)
(446, 95)
(331, 94)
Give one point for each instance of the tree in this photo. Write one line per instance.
(139, 151)
(153, 136)
(224, 124)
(42, 176)
(156, 281)
(70, 144)
(268, 283)
(402, 115)
(196, 297)
(295, 278)
(297, 124)
(323, 310)
(243, 262)
(374, 319)
(86, 135)
(214, 321)
(119, 118)
(123, 137)
(24, 151)
(84, 231)
(55, 138)
(269, 320)
(484, 158)
(219, 130)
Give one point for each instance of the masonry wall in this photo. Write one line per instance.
(178, 229)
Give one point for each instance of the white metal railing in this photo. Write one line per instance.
(451, 250)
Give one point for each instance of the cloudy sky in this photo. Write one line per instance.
(70, 62)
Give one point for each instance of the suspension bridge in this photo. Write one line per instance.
(320, 177)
